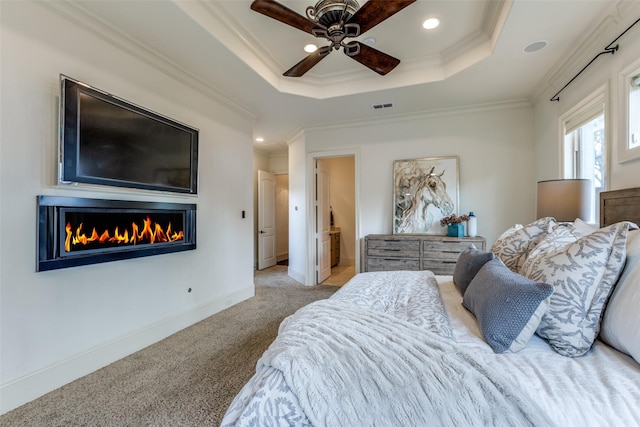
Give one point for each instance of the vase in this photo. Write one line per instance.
(455, 230)
(472, 225)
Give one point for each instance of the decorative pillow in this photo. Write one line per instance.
(583, 228)
(583, 273)
(508, 306)
(469, 263)
(514, 245)
(621, 321)
(562, 234)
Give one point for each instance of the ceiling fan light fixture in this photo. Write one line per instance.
(431, 23)
(310, 48)
(335, 21)
(329, 12)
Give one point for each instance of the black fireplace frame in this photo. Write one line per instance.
(49, 256)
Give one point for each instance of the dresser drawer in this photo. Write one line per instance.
(416, 252)
(393, 248)
(392, 264)
(438, 266)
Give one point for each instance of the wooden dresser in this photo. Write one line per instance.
(416, 251)
(335, 247)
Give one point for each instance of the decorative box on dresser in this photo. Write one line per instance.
(384, 252)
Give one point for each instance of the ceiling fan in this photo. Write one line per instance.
(336, 20)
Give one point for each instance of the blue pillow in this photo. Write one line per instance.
(507, 306)
(469, 263)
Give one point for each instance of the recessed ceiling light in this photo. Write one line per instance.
(259, 139)
(431, 23)
(369, 41)
(310, 48)
(535, 46)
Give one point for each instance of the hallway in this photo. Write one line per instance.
(340, 275)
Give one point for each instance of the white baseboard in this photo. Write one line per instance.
(296, 276)
(35, 384)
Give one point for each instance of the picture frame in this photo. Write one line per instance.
(425, 190)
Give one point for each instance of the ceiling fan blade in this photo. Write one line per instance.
(307, 63)
(281, 13)
(378, 61)
(374, 12)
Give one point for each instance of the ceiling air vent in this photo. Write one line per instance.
(381, 106)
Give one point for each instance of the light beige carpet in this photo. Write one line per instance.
(188, 379)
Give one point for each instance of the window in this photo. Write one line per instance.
(584, 149)
(629, 124)
(634, 112)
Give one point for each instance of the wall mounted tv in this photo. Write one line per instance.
(106, 140)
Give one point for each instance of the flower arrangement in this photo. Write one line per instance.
(453, 219)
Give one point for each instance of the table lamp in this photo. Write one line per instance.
(565, 199)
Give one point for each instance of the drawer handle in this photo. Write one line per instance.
(451, 252)
(390, 250)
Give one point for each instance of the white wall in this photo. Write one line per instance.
(279, 163)
(494, 144)
(605, 71)
(59, 325)
(298, 221)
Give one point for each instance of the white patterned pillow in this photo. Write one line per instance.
(583, 274)
(583, 228)
(561, 235)
(621, 321)
(514, 245)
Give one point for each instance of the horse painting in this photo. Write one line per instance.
(417, 193)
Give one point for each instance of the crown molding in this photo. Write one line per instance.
(599, 34)
(462, 54)
(428, 114)
(75, 13)
(294, 136)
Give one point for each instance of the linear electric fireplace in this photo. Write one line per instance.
(78, 231)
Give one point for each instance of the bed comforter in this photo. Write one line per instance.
(386, 350)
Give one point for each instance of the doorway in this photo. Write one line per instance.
(272, 219)
(336, 205)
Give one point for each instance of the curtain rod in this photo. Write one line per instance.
(609, 49)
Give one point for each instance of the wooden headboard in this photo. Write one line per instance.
(620, 205)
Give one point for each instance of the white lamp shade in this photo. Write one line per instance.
(565, 199)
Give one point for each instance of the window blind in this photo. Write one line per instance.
(585, 115)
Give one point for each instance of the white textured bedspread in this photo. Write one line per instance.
(601, 388)
(351, 366)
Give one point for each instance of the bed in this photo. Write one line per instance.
(544, 329)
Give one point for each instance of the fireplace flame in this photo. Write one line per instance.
(151, 233)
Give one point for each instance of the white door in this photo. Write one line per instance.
(323, 227)
(266, 220)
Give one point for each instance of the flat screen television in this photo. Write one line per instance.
(106, 140)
